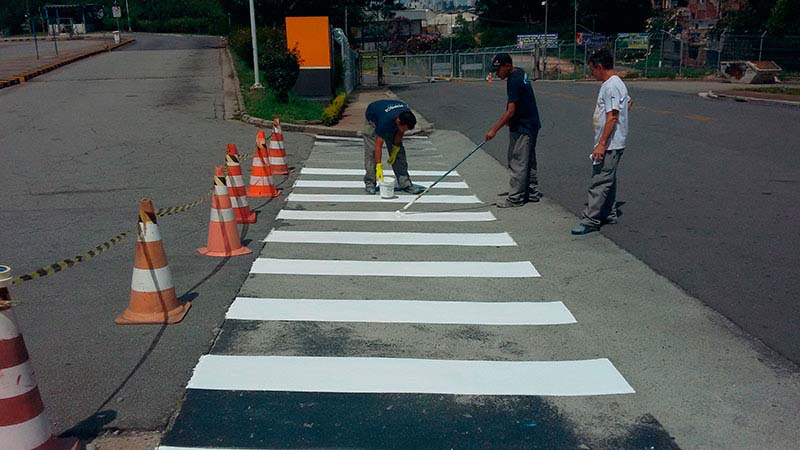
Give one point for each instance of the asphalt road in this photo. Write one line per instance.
(81, 145)
(709, 188)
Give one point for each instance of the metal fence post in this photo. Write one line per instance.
(680, 59)
(558, 61)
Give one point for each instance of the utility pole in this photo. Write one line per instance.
(544, 59)
(256, 81)
(33, 27)
(128, 12)
(575, 36)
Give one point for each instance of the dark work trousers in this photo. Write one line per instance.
(400, 166)
(603, 191)
(522, 165)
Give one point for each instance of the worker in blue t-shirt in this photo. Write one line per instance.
(387, 122)
(522, 118)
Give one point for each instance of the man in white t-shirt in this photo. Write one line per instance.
(610, 122)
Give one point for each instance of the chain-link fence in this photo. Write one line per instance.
(651, 55)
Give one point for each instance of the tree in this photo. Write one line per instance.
(784, 18)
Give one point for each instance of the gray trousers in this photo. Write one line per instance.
(522, 165)
(602, 191)
(400, 166)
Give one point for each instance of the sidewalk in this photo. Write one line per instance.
(19, 62)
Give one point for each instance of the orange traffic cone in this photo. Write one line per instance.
(153, 298)
(261, 182)
(236, 190)
(277, 152)
(223, 236)
(23, 422)
(489, 78)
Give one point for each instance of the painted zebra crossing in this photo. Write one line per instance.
(316, 368)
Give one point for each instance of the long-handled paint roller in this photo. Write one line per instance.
(408, 205)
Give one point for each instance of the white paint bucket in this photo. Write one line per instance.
(387, 187)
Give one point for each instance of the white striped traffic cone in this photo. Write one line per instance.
(236, 189)
(277, 151)
(153, 298)
(23, 422)
(223, 236)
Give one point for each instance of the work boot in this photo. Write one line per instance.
(506, 203)
(371, 189)
(413, 189)
(583, 229)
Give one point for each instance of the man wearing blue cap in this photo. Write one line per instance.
(522, 118)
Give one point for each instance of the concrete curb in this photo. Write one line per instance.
(25, 76)
(746, 99)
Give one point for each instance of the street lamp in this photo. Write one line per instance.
(256, 81)
(544, 59)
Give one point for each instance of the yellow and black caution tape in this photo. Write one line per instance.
(70, 262)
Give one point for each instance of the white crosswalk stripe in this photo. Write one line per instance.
(379, 216)
(401, 311)
(405, 375)
(456, 269)
(389, 238)
(360, 184)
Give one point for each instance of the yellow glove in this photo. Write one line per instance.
(393, 154)
(379, 171)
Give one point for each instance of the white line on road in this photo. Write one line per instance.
(360, 184)
(392, 238)
(366, 198)
(401, 311)
(378, 216)
(335, 171)
(453, 269)
(402, 375)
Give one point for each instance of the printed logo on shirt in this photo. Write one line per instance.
(389, 108)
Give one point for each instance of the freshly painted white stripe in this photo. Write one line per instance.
(335, 171)
(26, 435)
(402, 375)
(222, 215)
(364, 198)
(392, 238)
(401, 311)
(148, 232)
(378, 216)
(360, 184)
(154, 280)
(462, 269)
(17, 380)
(337, 138)
(8, 324)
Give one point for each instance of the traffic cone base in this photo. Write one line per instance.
(154, 301)
(153, 298)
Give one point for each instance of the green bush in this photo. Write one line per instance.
(333, 112)
(281, 69)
